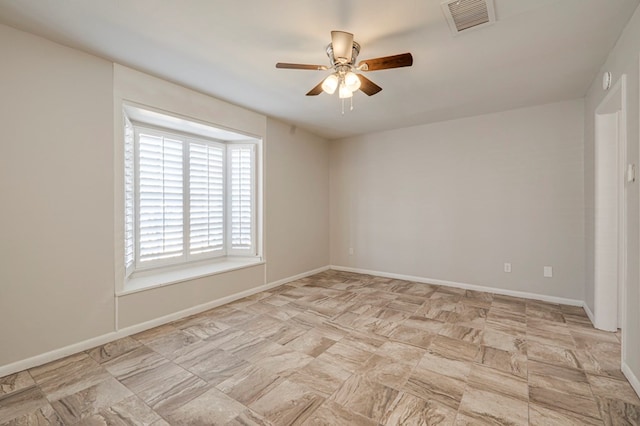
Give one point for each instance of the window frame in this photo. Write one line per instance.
(186, 260)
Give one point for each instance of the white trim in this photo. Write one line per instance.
(592, 317)
(611, 313)
(632, 378)
(84, 345)
(502, 291)
(147, 280)
(623, 226)
(59, 353)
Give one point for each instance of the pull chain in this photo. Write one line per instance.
(350, 107)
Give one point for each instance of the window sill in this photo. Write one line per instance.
(153, 279)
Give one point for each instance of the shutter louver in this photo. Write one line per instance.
(241, 188)
(129, 195)
(160, 198)
(206, 197)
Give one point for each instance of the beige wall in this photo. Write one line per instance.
(297, 202)
(60, 215)
(456, 200)
(140, 307)
(623, 59)
(56, 186)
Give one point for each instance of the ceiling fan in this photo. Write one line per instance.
(342, 53)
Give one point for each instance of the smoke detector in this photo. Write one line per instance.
(465, 15)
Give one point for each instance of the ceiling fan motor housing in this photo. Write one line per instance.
(354, 55)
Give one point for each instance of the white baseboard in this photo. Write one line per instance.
(633, 379)
(84, 345)
(502, 291)
(55, 354)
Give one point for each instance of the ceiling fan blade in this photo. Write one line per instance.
(368, 86)
(316, 90)
(301, 66)
(342, 43)
(386, 62)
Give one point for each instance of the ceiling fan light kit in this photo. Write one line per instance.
(342, 53)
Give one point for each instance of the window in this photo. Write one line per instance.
(188, 197)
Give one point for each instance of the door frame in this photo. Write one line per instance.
(616, 102)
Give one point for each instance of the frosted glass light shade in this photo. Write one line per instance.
(330, 84)
(344, 92)
(352, 81)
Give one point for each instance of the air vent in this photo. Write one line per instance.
(464, 15)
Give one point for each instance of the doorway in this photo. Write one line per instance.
(610, 209)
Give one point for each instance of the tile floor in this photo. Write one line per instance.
(342, 349)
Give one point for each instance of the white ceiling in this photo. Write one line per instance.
(539, 51)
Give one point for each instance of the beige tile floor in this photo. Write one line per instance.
(341, 348)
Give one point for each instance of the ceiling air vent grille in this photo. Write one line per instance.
(464, 15)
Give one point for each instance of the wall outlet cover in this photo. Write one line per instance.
(548, 272)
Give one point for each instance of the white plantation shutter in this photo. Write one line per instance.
(241, 188)
(206, 198)
(160, 186)
(129, 196)
(187, 197)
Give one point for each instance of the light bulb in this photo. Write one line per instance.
(352, 81)
(330, 84)
(344, 92)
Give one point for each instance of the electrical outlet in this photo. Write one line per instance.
(507, 267)
(350, 251)
(548, 272)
